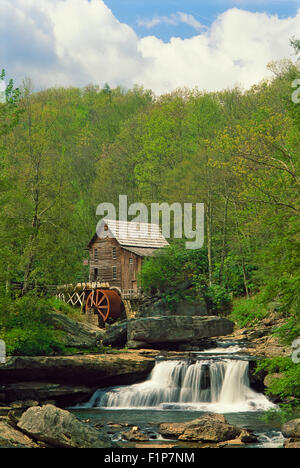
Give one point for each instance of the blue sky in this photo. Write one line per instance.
(158, 44)
(205, 12)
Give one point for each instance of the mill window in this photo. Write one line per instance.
(114, 253)
(114, 273)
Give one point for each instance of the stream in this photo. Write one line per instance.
(179, 390)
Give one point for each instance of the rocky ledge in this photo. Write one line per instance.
(70, 379)
(163, 332)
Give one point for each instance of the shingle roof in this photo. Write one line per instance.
(132, 234)
(141, 251)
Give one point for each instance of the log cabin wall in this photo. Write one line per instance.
(131, 265)
(109, 262)
(103, 266)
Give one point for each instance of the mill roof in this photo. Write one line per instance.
(144, 238)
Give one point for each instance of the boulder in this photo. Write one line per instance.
(60, 429)
(269, 378)
(116, 335)
(210, 429)
(291, 429)
(207, 428)
(289, 443)
(134, 435)
(76, 334)
(178, 329)
(247, 437)
(12, 438)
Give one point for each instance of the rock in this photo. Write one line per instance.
(172, 430)
(134, 435)
(155, 446)
(291, 429)
(233, 442)
(180, 329)
(207, 428)
(76, 334)
(257, 333)
(91, 371)
(14, 416)
(43, 391)
(268, 322)
(269, 378)
(268, 346)
(11, 438)
(291, 444)
(116, 335)
(23, 404)
(60, 429)
(247, 437)
(4, 410)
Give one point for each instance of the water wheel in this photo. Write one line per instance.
(105, 302)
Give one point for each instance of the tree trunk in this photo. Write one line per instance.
(209, 237)
(224, 241)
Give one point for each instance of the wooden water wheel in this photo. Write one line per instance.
(105, 302)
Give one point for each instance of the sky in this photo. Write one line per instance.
(158, 44)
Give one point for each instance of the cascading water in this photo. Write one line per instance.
(217, 385)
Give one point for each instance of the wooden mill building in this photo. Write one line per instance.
(117, 250)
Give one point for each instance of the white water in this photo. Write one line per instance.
(206, 385)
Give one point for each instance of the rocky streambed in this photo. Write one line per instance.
(48, 426)
(64, 381)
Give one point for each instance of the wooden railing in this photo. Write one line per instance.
(131, 293)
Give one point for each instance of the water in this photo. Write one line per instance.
(178, 390)
(220, 386)
(269, 435)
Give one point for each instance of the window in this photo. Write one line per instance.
(114, 253)
(114, 273)
(95, 254)
(131, 261)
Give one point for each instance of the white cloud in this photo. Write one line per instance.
(76, 42)
(174, 19)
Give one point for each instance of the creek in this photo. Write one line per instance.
(178, 390)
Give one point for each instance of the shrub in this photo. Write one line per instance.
(218, 300)
(287, 387)
(289, 331)
(248, 311)
(170, 268)
(26, 329)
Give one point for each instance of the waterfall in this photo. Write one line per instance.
(204, 385)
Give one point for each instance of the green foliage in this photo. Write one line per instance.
(289, 331)
(287, 386)
(171, 267)
(280, 415)
(248, 312)
(26, 329)
(218, 299)
(64, 151)
(66, 309)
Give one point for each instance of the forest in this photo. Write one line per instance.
(65, 150)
